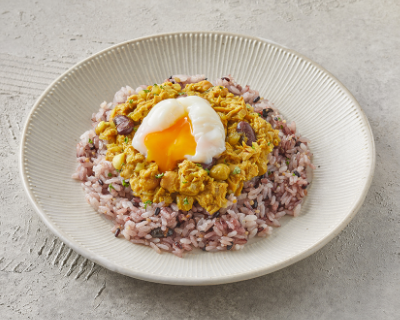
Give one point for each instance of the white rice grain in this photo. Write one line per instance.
(156, 248)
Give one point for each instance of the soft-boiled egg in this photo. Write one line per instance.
(178, 129)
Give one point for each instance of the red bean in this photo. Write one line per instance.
(124, 124)
(245, 128)
(209, 165)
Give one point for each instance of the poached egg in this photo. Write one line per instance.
(178, 129)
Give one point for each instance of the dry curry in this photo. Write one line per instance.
(249, 139)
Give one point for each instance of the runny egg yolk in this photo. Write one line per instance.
(171, 145)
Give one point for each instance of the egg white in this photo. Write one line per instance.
(208, 130)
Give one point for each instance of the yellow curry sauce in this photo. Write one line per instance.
(189, 182)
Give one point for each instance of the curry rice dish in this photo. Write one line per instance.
(193, 164)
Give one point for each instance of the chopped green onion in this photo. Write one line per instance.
(287, 162)
(156, 94)
(199, 164)
(125, 184)
(221, 87)
(147, 91)
(130, 101)
(269, 143)
(155, 85)
(224, 160)
(253, 147)
(184, 182)
(110, 174)
(126, 139)
(269, 172)
(185, 201)
(181, 93)
(90, 141)
(111, 187)
(135, 129)
(236, 170)
(146, 203)
(158, 176)
(281, 126)
(293, 174)
(208, 171)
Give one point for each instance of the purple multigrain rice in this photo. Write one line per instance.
(278, 193)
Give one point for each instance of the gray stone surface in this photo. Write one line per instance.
(356, 276)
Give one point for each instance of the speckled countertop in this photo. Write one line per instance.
(356, 276)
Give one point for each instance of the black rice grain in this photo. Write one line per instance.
(255, 204)
(214, 215)
(296, 173)
(266, 111)
(100, 182)
(157, 212)
(256, 99)
(229, 247)
(116, 234)
(178, 223)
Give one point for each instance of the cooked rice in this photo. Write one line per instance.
(263, 201)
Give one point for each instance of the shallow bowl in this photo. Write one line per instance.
(324, 111)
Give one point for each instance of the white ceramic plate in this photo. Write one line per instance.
(324, 110)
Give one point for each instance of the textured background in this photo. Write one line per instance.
(356, 276)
